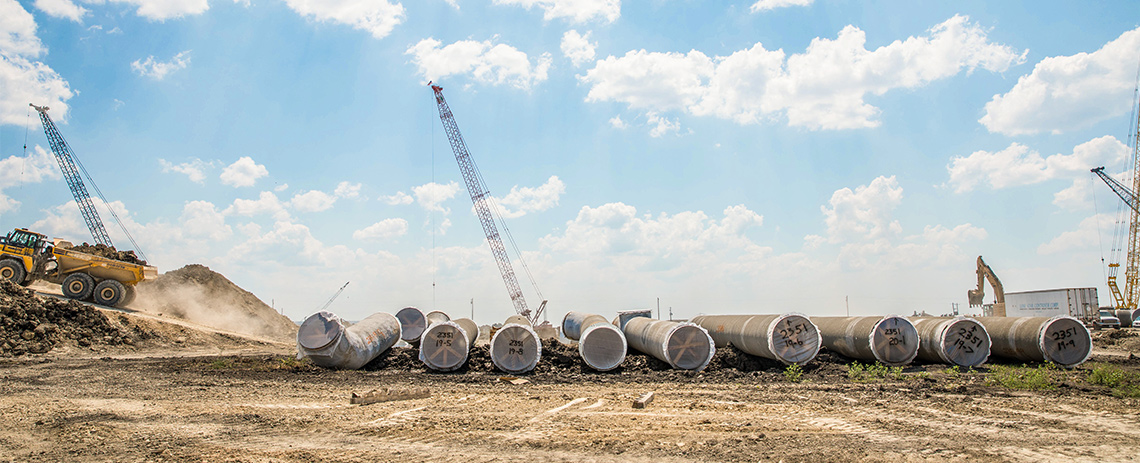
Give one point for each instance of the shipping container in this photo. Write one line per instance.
(1079, 303)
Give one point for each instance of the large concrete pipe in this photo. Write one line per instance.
(412, 324)
(956, 341)
(889, 340)
(1125, 317)
(1061, 340)
(330, 342)
(515, 347)
(601, 345)
(445, 345)
(789, 338)
(436, 316)
(683, 345)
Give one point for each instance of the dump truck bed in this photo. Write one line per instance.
(70, 261)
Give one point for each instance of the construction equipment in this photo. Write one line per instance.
(1127, 299)
(71, 167)
(27, 256)
(480, 196)
(333, 298)
(976, 296)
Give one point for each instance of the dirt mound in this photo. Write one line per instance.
(29, 324)
(109, 252)
(198, 294)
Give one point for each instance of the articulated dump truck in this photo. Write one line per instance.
(27, 256)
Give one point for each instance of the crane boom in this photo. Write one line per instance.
(334, 296)
(479, 197)
(66, 159)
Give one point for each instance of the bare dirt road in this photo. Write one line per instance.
(165, 401)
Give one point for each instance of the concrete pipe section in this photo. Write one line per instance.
(683, 345)
(789, 338)
(331, 343)
(412, 324)
(958, 341)
(436, 316)
(1061, 340)
(889, 340)
(600, 344)
(446, 345)
(1125, 317)
(515, 347)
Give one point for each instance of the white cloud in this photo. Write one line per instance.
(1087, 235)
(312, 201)
(161, 10)
(577, 11)
(431, 195)
(382, 230)
(521, 201)
(377, 17)
(765, 5)
(347, 190)
(661, 125)
(36, 167)
(267, 203)
(863, 214)
(617, 123)
(243, 172)
(1068, 92)
(822, 88)
(22, 79)
(202, 220)
(158, 70)
(400, 198)
(486, 62)
(194, 169)
(577, 47)
(281, 187)
(65, 9)
(1017, 165)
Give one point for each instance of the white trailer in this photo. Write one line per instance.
(1079, 303)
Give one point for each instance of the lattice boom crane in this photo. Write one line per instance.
(66, 159)
(479, 196)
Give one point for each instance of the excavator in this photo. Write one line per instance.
(976, 296)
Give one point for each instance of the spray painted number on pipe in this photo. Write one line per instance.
(967, 340)
(516, 343)
(793, 330)
(1060, 337)
(443, 338)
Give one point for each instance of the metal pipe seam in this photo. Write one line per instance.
(331, 343)
(515, 347)
(682, 345)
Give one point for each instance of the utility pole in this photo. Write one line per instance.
(658, 308)
(670, 313)
(847, 302)
(472, 309)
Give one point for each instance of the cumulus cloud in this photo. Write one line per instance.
(577, 11)
(243, 172)
(22, 78)
(377, 17)
(382, 230)
(193, 169)
(865, 213)
(617, 123)
(823, 88)
(1087, 235)
(1068, 92)
(347, 190)
(486, 62)
(577, 47)
(36, 167)
(1018, 165)
(661, 125)
(266, 203)
(158, 70)
(523, 200)
(161, 10)
(203, 220)
(64, 9)
(765, 5)
(400, 198)
(430, 196)
(312, 201)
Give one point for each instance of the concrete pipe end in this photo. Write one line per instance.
(444, 347)
(1066, 341)
(319, 330)
(965, 342)
(603, 347)
(412, 324)
(793, 338)
(515, 348)
(688, 346)
(894, 341)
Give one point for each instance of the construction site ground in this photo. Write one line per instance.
(194, 394)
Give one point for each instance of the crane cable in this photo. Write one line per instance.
(109, 208)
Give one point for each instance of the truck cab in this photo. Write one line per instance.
(22, 252)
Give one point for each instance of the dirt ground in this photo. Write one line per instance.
(188, 393)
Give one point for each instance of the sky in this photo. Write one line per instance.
(816, 156)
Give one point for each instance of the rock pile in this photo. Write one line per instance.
(109, 252)
(29, 324)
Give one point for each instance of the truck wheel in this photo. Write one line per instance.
(78, 286)
(129, 297)
(110, 293)
(12, 271)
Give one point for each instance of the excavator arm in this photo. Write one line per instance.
(985, 274)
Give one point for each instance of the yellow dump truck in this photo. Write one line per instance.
(27, 256)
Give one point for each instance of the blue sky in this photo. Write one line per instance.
(725, 157)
